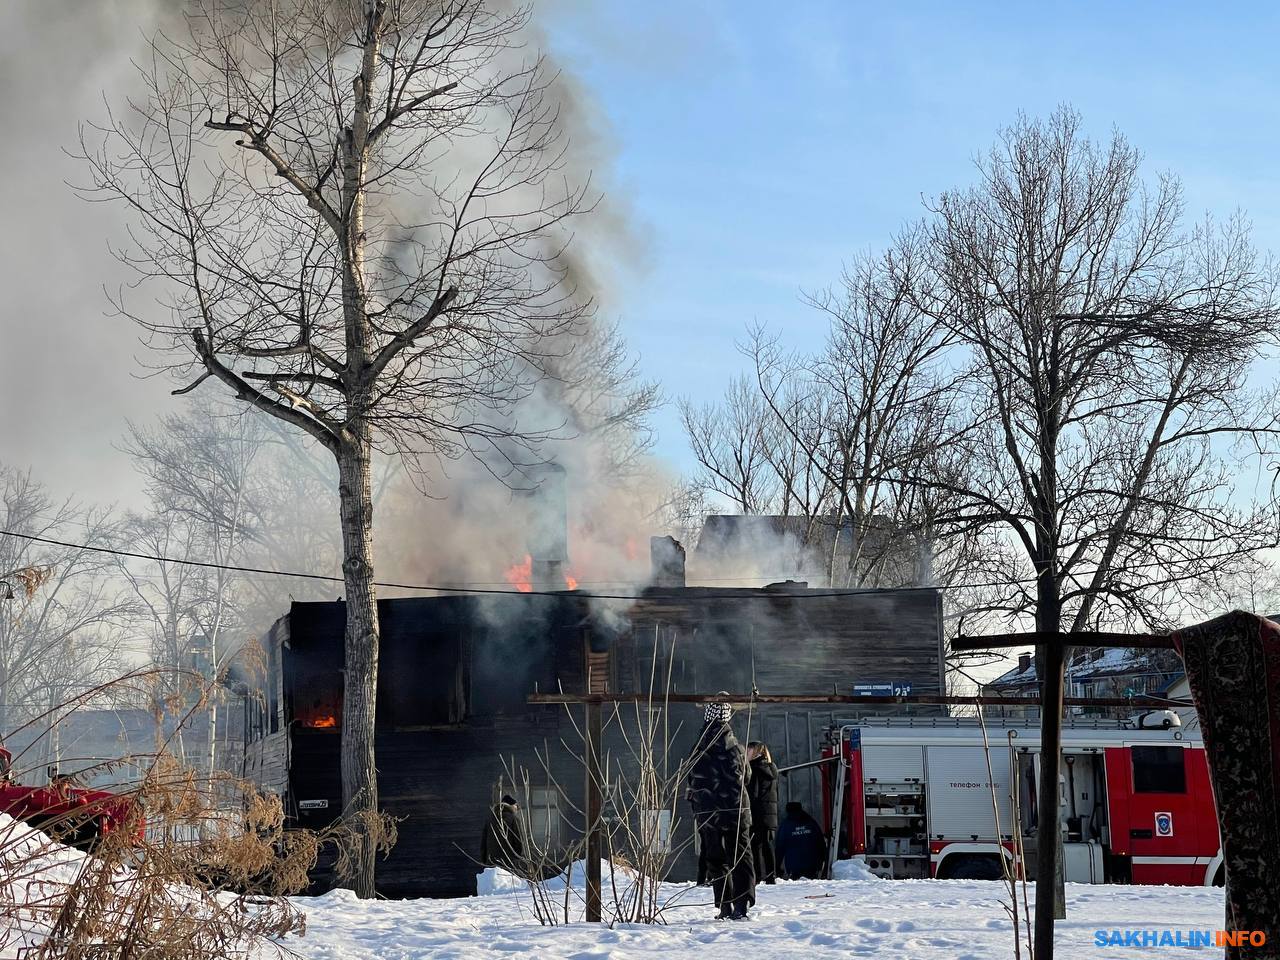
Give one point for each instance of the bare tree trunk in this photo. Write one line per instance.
(360, 683)
(1050, 666)
(1051, 662)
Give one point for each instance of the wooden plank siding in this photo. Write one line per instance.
(456, 672)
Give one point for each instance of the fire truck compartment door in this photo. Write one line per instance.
(959, 793)
(1158, 794)
(1082, 862)
(892, 764)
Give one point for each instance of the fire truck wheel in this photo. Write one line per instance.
(1220, 878)
(973, 868)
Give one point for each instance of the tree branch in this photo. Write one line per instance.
(250, 394)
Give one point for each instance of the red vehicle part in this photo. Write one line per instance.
(1160, 817)
(1165, 825)
(74, 815)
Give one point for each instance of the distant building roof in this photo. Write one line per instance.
(1095, 663)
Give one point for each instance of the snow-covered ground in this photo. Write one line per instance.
(857, 916)
(912, 919)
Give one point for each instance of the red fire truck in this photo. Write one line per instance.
(923, 797)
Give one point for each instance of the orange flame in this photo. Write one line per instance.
(520, 575)
(326, 722)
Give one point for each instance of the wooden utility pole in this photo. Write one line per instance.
(595, 811)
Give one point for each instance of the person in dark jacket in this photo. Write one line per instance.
(718, 774)
(502, 844)
(763, 790)
(802, 848)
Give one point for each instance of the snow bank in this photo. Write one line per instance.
(855, 869)
(33, 869)
(495, 881)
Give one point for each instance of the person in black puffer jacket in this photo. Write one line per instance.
(718, 774)
(763, 790)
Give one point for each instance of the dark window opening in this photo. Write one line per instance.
(423, 681)
(1159, 769)
(317, 695)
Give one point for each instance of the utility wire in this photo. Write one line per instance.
(441, 588)
(462, 588)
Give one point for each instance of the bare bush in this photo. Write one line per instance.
(171, 863)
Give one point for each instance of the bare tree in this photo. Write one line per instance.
(731, 444)
(680, 511)
(202, 475)
(60, 634)
(1109, 347)
(867, 409)
(167, 594)
(358, 212)
(597, 383)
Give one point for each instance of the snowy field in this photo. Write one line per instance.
(911, 919)
(859, 916)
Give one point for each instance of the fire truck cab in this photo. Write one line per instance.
(923, 797)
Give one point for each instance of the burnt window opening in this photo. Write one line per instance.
(317, 696)
(253, 717)
(424, 683)
(546, 821)
(659, 658)
(1159, 769)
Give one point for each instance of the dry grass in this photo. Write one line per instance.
(200, 868)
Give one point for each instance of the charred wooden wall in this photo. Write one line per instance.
(779, 641)
(453, 721)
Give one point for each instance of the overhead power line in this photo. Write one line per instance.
(389, 584)
(477, 587)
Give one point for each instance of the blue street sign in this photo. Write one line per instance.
(898, 688)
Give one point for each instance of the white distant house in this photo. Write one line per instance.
(1101, 672)
(1180, 689)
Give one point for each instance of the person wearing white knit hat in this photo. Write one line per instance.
(718, 772)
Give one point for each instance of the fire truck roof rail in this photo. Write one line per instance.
(993, 723)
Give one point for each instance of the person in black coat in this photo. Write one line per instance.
(802, 848)
(718, 774)
(502, 844)
(763, 790)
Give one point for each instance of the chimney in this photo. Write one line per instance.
(1024, 662)
(787, 586)
(548, 526)
(666, 556)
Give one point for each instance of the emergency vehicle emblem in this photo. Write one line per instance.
(1164, 824)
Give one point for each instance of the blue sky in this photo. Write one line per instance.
(761, 145)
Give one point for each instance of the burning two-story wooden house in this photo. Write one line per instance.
(454, 721)
(456, 672)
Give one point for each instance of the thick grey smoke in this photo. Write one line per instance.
(68, 374)
(73, 374)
